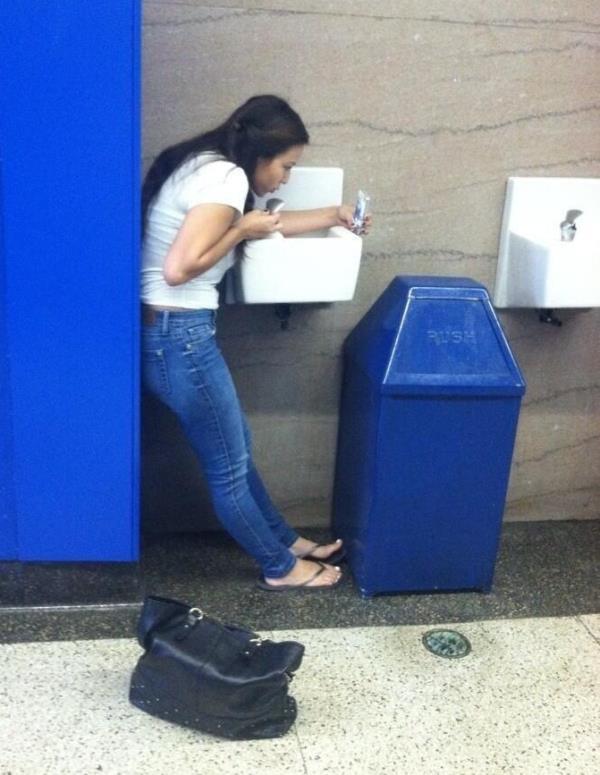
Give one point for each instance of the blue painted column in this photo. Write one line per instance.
(8, 524)
(69, 210)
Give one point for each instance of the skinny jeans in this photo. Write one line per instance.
(183, 366)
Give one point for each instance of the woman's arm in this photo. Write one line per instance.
(301, 221)
(208, 232)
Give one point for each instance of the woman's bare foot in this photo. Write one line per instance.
(303, 546)
(306, 571)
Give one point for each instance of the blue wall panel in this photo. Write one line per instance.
(8, 523)
(69, 138)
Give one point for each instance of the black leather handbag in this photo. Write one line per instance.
(216, 678)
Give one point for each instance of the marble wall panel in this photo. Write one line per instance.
(430, 107)
(580, 15)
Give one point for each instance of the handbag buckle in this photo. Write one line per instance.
(196, 613)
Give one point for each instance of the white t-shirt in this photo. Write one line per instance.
(205, 179)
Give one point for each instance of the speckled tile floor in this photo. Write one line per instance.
(526, 700)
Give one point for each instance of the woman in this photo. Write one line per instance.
(197, 201)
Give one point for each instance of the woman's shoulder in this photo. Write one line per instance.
(207, 178)
(212, 168)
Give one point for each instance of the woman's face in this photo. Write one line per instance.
(271, 173)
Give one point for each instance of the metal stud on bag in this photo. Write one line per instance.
(256, 642)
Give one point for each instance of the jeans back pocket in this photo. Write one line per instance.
(201, 332)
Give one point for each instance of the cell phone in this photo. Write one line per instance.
(274, 205)
(360, 212)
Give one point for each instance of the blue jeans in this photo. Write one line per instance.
(183, 366)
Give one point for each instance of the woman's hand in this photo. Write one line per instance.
(258, 224)
(344, 215)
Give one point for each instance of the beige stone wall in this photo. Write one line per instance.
(429, 106)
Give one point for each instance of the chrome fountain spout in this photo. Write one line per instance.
(568, 228)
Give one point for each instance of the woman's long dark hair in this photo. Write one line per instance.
(263, 127)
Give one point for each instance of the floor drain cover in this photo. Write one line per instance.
(446, 643)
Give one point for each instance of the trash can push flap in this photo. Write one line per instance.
(436, 335)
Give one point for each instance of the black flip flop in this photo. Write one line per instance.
(333, 559)
(262, 584)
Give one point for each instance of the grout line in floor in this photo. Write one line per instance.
(587, 629)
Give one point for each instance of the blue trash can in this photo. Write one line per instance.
(430, 403)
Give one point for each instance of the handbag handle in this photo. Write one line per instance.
(156, 612)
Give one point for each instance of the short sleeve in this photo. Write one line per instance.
(219, 182)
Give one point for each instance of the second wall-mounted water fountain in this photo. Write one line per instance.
(549, 255)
